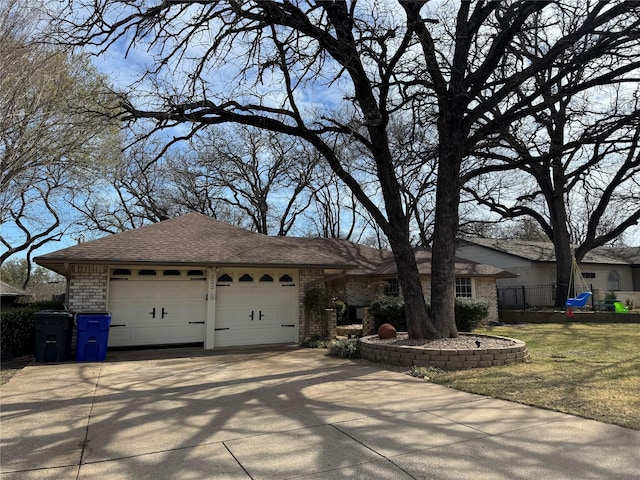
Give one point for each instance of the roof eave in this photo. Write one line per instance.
(59, 263)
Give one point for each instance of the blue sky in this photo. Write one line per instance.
(124, 71)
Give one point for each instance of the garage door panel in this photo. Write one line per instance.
(275, 316)
(238, 318)
(254, 336)
(132, 290)
(179, 312)
(168, 334)
(231, 297)
(148, 312)
(274, 296)
(119, 335)
(274, 307)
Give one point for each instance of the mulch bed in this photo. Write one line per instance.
(463, 342)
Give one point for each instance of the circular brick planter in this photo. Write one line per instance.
(446, 359)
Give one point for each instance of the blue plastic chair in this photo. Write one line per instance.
(579, 301)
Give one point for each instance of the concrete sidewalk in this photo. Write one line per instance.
(284, 413)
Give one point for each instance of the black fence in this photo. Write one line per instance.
(526, 297)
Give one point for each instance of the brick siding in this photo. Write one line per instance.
(310, 278)
(88, 287)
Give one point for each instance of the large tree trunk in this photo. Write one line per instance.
(419, 325)
(563, 276)
(563, 248)
(443, 279)
(553, 190)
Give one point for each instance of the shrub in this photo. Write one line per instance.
(389, 309)
(345, 348)
(17, 328)
(470, 313)
(315, 341)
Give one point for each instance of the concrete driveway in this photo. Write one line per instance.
(284, 413)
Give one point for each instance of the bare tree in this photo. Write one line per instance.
(577, 157)
(49, 134)
(266, 176)
(453, 66)
(415, 153)
(129, 193)
(334, 211)
(244, 176)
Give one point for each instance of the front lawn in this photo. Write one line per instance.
(586, 369)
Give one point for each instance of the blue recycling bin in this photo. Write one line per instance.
(93, 336)
(54, 330)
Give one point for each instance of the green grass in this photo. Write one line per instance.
(591, 370)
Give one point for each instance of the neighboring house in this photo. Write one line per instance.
(11, 296)
(534, 263)
(632, 256)
(194, 279)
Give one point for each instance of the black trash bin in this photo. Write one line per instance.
(93, 336)
(54, 329)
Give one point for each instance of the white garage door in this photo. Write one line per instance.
(256, 308)
(157, 309)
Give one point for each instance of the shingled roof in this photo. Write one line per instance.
(463, 267)
(544, 251)
(7, 290)
(630, 254)
(194, 239)
(364, 260)
(198, 240)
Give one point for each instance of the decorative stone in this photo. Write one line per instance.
(386, 331)
(447, 359)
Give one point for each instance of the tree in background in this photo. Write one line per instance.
(524, 228)
(339, 72)
(573, 164)
(134, 191)
(51, 134)
(17, 272)
(251, 178)
(269, 178)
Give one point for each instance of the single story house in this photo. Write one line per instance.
(193, 279)
(534, 263)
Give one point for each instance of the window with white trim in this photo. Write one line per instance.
(613, 281)
(464, 287)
